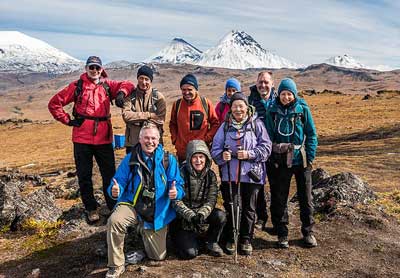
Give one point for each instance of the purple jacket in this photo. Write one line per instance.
(254, 138)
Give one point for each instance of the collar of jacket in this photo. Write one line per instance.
(137, 159)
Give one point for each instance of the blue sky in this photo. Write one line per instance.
(305, 32)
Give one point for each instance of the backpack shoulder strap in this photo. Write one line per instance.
(205, 105)
(78, 89)
(166, 160)
(154, 99)
(177, 107)
(108, 91)
(221, 107)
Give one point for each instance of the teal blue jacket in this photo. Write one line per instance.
(130, 184)
(292, 124)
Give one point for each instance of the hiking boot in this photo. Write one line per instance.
(93, 215)
(115, 272)
(246, 248)
(310, 241)
(283, 242)
(230, 248)
(260, 225)
(214, 249)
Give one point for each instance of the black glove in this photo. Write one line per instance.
(76, 122)
(119, 100)
(198, 219)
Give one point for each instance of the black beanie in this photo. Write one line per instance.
(146, 71)
(238, 96)
(191, 80)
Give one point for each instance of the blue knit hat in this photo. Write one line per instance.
(287, 84)
(191, 80)
(233, 83)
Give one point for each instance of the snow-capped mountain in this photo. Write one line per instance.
(22, 53)
(238, 50)
(178, 51)
(345, 61)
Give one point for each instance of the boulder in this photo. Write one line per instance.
(344, 189)
(16, 207)
(318, 175)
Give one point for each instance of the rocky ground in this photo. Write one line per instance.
(357, 238)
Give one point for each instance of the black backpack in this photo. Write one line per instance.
(78, 90)
(154, 99)
(203, 103)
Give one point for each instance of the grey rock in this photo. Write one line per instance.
(344, 189)
(10, 195)
(318, 175)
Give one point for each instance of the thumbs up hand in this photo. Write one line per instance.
(172, 191)
(115, 189)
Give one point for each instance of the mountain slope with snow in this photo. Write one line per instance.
(238, 50)
(22, 53)
(178, 51)
(345, 61)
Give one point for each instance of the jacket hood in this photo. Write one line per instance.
(197, 146)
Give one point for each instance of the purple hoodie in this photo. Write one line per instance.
(256, 143)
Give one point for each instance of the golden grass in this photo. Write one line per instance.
(354, 135)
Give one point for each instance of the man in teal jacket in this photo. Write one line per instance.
(146, 181)
(292, 131)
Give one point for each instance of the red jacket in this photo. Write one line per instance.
(221, 116)
(93, 102)
(192, 123)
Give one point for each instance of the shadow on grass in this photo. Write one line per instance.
(71, 259)
(380, 133)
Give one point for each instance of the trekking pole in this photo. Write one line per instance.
(234, 227)
(238, 202)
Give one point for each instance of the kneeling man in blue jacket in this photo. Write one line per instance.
(146, 181)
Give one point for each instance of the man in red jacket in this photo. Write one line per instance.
(192, 117)
(92, 131)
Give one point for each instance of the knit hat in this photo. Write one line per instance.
(238, 96)
(94, 60)
(191, 80)
(146, 71)
(289, 85)
(233, 83)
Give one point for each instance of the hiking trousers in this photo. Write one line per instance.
(262, 212)
(104, 155)
(122, 217)
(280, 184)
(187, 242)
(247, 209)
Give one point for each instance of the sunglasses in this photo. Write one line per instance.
(94, 67)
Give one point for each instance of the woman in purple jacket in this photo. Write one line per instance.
(240, 148)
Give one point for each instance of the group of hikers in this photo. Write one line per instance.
(270, 134)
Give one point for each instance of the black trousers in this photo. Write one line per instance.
(280, 184)
(247, 209)
(104, 155)
(262, 212)
(187, 242)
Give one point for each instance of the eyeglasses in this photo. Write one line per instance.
(94, 67)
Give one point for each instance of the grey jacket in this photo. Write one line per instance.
(201, 190)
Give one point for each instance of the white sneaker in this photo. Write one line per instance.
(115, 272)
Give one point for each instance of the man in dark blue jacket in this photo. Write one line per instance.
(261, 95)
(144, 186)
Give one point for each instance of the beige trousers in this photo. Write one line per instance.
(122, 217)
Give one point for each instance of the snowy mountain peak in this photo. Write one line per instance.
(345, 61)
(238, 50)
(22, 53)
(241, 38)
(177, 51)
